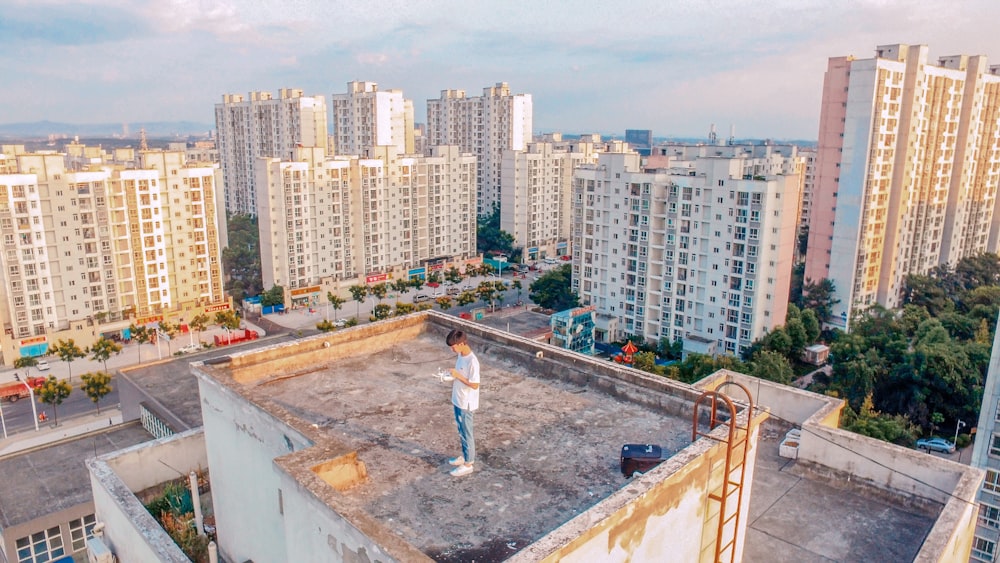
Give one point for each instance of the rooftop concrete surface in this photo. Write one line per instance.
(548, 433)
(52, 478)
(797, 516)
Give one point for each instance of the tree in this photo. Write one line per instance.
(646, 361)
(797, 334)
(228, 319)
(444, 302)
(325, 326)
(490, 238)
(358, 292)
(867, 421)
(25, 362)
(68, 351)
(336, 302)
(466, 298)
(811, 325)
(401, 285)
(379, 291)
(416, 282)
(404, 309)
(241, 259)
(103, 349)
(818, 296)
(516, 284)
(169, 330)
(53, 392)
(453, 275)
(198, 324)
(96, 385)
(771, 366)
(273, 296)
(553, 290)
(486, 291)
(141, 335)
(381, 311)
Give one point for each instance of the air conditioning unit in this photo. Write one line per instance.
(97, 552)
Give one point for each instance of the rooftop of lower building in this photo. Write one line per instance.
(53, 477)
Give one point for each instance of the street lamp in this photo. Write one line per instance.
(959, 424)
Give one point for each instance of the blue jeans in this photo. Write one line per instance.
(464, 420)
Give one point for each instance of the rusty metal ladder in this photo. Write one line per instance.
(735, 439)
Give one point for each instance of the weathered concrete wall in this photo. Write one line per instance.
(315, 532)
(783, 402)
(665, 515)
(242, 441)
(952, 536)
(146, 465)
(131, 532)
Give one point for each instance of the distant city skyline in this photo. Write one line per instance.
(675, 68)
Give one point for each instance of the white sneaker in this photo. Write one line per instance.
(457, 460)
(461, 470)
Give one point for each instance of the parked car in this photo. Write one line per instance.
(454, 291)
(936, 445)
(437, 294)
(340, 323)
(549, 260)
(421, 297)
(188, 348)
(43, 365)
(468, 287)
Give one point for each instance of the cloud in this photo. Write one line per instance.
(67, 24)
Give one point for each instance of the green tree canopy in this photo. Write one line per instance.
(273, 296)
(96, 385)
(553, 290)
(241, 259)
(491, 238)
(103, 349)
(68, 351)
(53, 392)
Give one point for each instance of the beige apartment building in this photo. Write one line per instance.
(906, 172)
(262, 125)
(700, 255)
(90, 251)
(331, 222)
(485, 126)
(365, 118)
(537, 185)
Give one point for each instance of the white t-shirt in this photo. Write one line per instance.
(463, 396)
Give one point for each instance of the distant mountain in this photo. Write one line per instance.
(42, 129)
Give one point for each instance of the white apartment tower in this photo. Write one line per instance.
(365, 118)
(535, 199)
(484, 126)
(90, 251)
(333, 221)
(703, 256)
(907, 170)
(263, 126)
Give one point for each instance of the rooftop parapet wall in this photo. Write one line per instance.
(914, 477)
(132, 532)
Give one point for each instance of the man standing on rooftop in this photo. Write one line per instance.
(465, 399)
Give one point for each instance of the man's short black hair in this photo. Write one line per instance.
(455, 337)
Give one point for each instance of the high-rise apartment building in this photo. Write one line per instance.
(90, 251)
(700, 255)
(365, 118)
(485, 126)
(327, 223)
(907, 169)
(535, 198)
(263, 126)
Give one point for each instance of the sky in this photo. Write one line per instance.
(673, 66)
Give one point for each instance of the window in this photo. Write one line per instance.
(40, 546)
(982, 549)
(995, 445)
(992, 482)
(80, 530)
(989, 516)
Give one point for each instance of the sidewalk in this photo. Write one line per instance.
(130, 355)
(68, 428)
